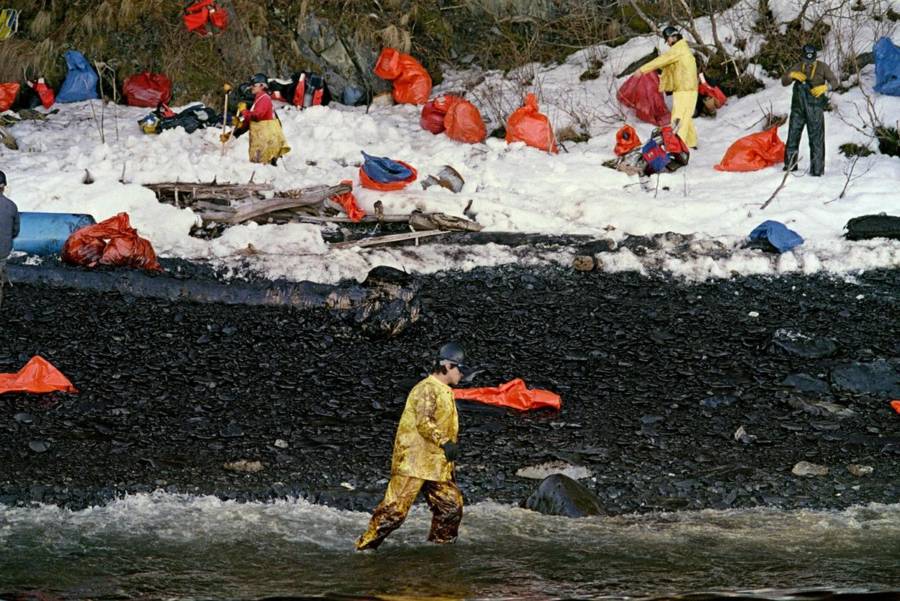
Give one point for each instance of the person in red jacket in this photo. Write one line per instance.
(267, 141)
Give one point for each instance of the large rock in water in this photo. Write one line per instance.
(560, 495)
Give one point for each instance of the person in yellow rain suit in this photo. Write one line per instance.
(267, 141)
(425, 449)
(679, 76)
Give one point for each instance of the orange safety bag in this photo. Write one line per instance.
(110, 242)
(8, 93)
(37, 376)
(704, 89)
(45, 93)
(368, 182)
(463, 122)
(347, 202)
(147, 89)
(626, 140)
(754, 152)
(434, 113)
(412, 83)
(527, 124)
(514, 394)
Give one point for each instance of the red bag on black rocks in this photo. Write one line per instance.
(110, 242)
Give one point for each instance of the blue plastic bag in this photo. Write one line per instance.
(887, 67)
(778, 235)
(81, 81)
(385, 170)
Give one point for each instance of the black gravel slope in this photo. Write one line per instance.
(656, 377)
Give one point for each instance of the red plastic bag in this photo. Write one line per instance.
(514, 394)
(110, 242)
(464, 122)
(412, 83)
(434, 112)
(368, 182)
(218, 17)
(37, 376)
(672, 141)
(45, 93)
(895, 405)
(641, 93)
(704, 89)
(626, 140)
(196, 16)
(753, 152)
(348, 203)
(147, 89)
(529, 125)
(8, 93)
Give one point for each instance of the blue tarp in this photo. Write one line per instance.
(81, 81)
(45, 234)
(777, 234)
(385, 170)
(887, 67)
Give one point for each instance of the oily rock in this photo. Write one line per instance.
(560, 495)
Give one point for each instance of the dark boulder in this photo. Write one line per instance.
(800, 345)
(879, 377)
(560, 495)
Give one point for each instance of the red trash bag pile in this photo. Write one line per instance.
(111, 242)
(37, 376)
(44, 92)
(147, 89)
(527, 124)
(458, 118)
(641, 93)
(514, 394)
(754, 152)
(8, 93)
(412, 83)
(347, 202)
(204, 17)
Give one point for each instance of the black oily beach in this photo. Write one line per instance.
(657, 377)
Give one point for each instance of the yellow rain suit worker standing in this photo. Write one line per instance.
(267, 141)
(425, 449)
(679, 76)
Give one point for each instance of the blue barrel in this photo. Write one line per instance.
(45, 233)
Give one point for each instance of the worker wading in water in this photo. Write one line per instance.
(425, 448)
(808, 109)
(267, 141)
(679, 76)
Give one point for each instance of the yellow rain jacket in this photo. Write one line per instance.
(428, 421)
(267, 141)
(679, 69)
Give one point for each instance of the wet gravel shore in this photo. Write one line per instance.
(675, 396)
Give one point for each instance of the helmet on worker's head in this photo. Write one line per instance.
(260, 78)
(669, 31)
(809, 52)
(150, 123)
(452, 354)
(2, 179)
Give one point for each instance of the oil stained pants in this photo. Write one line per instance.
(809, 112)
(444, 499)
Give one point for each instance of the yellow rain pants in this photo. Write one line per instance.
(444, 499)
(267, 141)
(683, 104)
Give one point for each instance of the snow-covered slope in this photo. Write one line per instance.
(514, 188)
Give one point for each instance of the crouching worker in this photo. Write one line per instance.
(9, 229)
(267, 141)
(808, 109)
(425, 449)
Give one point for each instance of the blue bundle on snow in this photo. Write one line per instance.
(45, 234)
(385, 170)
(887, 67)
(778, 235)
(81, 80)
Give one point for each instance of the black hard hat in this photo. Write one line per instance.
(454, 353)
(809, 52)
(668, 32)
(2, 179)
(260, 78)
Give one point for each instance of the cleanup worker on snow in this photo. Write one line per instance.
(9, 229)
(809, 77)
(425, 448)
(679, 76)
(267, 141)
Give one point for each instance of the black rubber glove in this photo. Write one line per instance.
(451, 450)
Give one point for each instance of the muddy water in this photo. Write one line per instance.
(182, 547)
